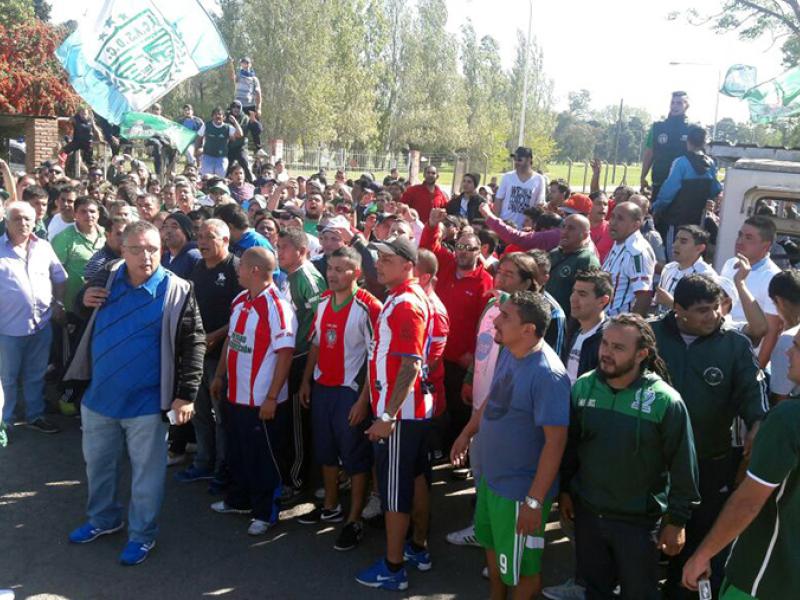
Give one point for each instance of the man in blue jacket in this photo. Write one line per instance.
(692, 180)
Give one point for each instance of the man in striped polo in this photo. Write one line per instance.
(403, 406)
(342, 332)
(258, 356)
(631, 262)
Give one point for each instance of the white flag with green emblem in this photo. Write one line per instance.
(126, 54)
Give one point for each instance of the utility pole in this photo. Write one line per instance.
(616, 142)
(521, 139)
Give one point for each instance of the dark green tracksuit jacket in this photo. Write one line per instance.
(718, 378)
(630, 453)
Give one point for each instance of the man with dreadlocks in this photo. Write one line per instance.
(629, 473)
(714, 369)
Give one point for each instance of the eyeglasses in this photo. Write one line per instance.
(137, 250)
(466, 248)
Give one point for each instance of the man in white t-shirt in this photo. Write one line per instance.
(784, 290)
(755, 238)
(65, 216)
(687, 250)
(515, 272)
(520, 189)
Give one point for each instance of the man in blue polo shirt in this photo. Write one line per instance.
(143, 352)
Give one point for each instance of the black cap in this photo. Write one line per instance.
(387, 217)
(235, 104)
(184, 222)
(522, 152)
(399, 246)
(294, 211)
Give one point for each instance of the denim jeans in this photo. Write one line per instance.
(23, 359)
(213, 165)
(104, 442)
(207, 421)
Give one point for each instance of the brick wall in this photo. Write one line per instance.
(41, 141)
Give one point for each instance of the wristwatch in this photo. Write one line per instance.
(532, 503)
(387, 418)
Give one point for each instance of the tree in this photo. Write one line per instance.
(752, 19)
(579, 103)
(32, 81)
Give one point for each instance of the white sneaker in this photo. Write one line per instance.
(223, 509)
(320, 494)
(373, 507)
(258, 527)
(569, 590)
(463, 537)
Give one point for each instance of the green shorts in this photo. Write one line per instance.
(496, 529)
(731, 592)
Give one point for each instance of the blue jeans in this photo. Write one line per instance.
(104, 443)
(23, 359)
(213, 165)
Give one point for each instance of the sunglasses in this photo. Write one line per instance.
(466, 248)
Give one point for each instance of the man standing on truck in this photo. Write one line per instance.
(665, 142)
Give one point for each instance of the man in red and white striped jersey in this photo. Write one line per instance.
(403, 405)
(341, 333)
(258, 351)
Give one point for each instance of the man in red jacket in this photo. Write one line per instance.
(426, 195)
(463, 285)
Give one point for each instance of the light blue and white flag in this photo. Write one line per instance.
(126, 54)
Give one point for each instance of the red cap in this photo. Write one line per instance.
(577, 203)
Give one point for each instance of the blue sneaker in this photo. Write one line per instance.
(193, 474)
(88, 533)
(379, 576)
(135, 552)
(421, 559)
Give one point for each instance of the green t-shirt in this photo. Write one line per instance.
(765, 561)
(74, 250)
(310, 227)
(306, 285)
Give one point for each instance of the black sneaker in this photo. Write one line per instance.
(322, 515)
(349, 537)
(43, 425)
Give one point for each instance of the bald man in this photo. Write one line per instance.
(631, 262)
(575, 253)
(259, 348)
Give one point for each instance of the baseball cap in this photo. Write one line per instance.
(290, 210)
(337, 222)
(315, 186)
(729, 288)
(399, 246)
(387, 217)
(577, 204)
(219, 187)
(522, 152)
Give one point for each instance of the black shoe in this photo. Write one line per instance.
(349, 537)
(42, 425)
(461, 474)
(322, 515)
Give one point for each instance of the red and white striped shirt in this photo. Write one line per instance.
(258, 328)
(438, 340)
(405, 327)
(343, 335)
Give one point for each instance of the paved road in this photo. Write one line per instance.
(201, 554)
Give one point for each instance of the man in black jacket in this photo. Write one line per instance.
(588, 301)
(143, 351)
(467, 202)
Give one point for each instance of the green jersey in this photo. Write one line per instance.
(306, 285)
(630, 453)
(765, 560)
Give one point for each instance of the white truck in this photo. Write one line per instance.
(756, 178)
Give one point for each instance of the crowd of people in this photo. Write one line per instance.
(560, 349)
